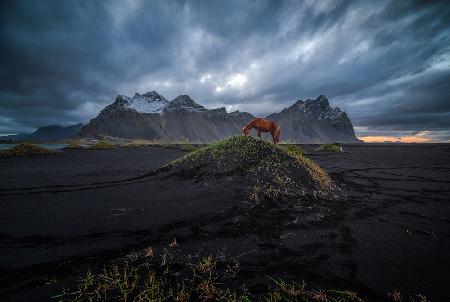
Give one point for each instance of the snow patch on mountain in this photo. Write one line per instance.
(150, 102)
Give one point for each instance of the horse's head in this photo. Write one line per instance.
(245, 130)
(276, 138)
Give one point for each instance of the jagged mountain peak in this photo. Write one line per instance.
(152, 94)
(317, 106)
(121, 99)
(150, 102)
(183, 103)
(321, 102)
(183, 99)
(298, 105)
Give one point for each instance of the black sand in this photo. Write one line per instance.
(65, 213)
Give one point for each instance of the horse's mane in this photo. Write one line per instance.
(250, 125)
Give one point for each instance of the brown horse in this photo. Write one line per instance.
(263, 125)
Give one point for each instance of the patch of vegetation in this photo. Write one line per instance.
(102, 145)
(207, 279)
(293, 149)
(189, 147)
(202, 281)
(272, 171)
(329, 148)
(73, 146)
(317, 172)
(396, 296)
(24, 150)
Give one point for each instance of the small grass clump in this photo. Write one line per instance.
(73, 146)
(102, 145)
(25, 150)
(329, 148)
(294, 291)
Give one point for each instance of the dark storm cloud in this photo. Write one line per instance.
(387, 63)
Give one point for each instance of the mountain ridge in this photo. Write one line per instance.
(151, 116)
(47, 133)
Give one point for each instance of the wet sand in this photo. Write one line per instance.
(65, 213)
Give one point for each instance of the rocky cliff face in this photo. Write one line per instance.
(314, 121)
(151, 116)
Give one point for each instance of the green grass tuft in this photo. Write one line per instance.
(103, 145)
(329, 148)
(25, 150)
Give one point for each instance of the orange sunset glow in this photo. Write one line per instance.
(393, 139)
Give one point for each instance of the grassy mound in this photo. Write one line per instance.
(329, 148)
(73, 146)
(103, 145)
(271, 172)
(24, 150)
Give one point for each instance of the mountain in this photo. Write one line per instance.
(151, 116)
(314, 121)
(47, 133)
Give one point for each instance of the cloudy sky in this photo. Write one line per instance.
(386, 63)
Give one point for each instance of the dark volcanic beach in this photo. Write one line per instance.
(64, 214)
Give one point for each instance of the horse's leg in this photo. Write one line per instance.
(273, 137)
(259, 133)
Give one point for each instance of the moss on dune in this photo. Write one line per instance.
(25, 150)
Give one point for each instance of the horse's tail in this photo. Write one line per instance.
(277, 134)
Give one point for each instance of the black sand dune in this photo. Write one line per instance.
(268, 173)
(62, 215)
